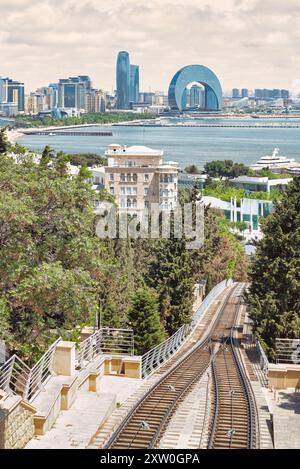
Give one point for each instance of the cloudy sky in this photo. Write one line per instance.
(248, 43)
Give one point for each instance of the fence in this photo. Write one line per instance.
(287, 351)
(105, 340)
(263, 360)
(158, 355)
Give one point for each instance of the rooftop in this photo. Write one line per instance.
(134, 150)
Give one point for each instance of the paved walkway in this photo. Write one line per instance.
(75, 427)
(286, 418)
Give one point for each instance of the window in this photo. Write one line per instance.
(135, 177)
(146, 177)
(146, 190)
(129, 190)
(112, 190)
(146, 204)
(134, 190)
(123, 179)
(111, 177)
(128, 177)
(96, 180)
(122, 203)
(123, 190)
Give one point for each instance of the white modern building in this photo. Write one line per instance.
(257, 184)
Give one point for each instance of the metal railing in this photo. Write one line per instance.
(105, 340)
(155, 357)
(263, 360)
(18, 378)
(287, 350)
(14, 376)
(39, 374)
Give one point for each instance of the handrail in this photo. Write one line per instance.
(105, 340)
(155, 357)
(18, 378)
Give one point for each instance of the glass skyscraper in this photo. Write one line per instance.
(12, 91)
(134, 83)
(123, 80)
(72, 92)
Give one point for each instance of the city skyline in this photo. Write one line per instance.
(37, 49)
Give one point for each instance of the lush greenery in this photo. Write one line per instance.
(87, 159)
(225, 168)
(222, 190)
(144, 318)
(192, 169)
(89, 118)
(55, 273)
(274, 295)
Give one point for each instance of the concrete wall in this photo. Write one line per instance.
(283, 376)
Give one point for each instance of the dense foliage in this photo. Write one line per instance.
(274, 295)
(225, 168)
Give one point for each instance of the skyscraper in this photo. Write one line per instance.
(245, 93)
(12, 92)
(134, 83)
(123, 80)
(195, 96)
(235, 93)
(72, 92)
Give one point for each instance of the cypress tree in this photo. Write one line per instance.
(144, 318)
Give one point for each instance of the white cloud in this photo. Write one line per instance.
(248, 43)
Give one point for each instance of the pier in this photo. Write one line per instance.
(68, 133)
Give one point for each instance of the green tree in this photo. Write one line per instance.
(274, 294)
(4, 143)
(52, 264)
(144, 318)
(192, 169)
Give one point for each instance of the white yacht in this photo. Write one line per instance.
(274, 161)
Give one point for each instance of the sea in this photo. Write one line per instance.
(188, 145)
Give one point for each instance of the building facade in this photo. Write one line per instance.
(12, 96)
(72, 92)
(137, 177)
(123, 80)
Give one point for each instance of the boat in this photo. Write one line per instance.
(274, 161)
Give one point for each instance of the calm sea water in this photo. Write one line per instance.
(187, 145)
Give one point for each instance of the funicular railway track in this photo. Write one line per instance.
(146, 422)
(233, 424)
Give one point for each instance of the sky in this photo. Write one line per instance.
(247, 43)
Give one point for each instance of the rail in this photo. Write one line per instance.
(40, 373)
(263, 360)
(157, 356)
(105, 340)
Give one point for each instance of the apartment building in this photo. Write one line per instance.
(138, 177)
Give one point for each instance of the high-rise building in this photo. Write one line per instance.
(123, 80)
(95, 101)
(195, 96)
(134, 83)
(12, 93)
(245, 93)
(235, 93)
(72, 91)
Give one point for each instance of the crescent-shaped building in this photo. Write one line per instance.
(199, 74)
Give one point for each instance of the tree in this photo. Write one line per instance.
(144, 318)
(192, 169)
(4, 143)
(47, 156)
(226, 168)
(274, 294)
(52, 264)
